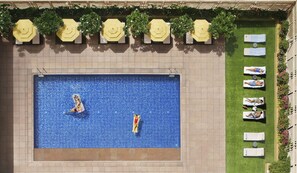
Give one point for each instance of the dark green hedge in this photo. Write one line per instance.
(76, 12)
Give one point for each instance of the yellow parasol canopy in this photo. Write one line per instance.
(113, 30)
(68, 32)
(24, 30)
(200, 33)
(159, 30)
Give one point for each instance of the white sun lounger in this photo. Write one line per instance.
(245, 115)
(248, 86)
(255, 38)
(247, 71)
(250, 136)
(261, 51)
(253, 152)
(247, 103)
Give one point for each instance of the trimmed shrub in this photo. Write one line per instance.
(283, 152)
(283, 78)
(284, 45)
(48, 23)
(137, 22)
(283, 90)
(284, 29)
(281, 166)
(281, 57)
(223, 25)
(284, 137)
(284, 103)
(283, 122)
(181, 25)
(5, 22)
(90, 24)
(281, 67)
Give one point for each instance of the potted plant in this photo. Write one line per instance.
(49, 22)
(90, 24)
(5, 22)
(223, 25)
(137, 22)
(181, 25)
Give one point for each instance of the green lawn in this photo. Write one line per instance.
(235, 126)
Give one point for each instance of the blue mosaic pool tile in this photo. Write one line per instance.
(110, 102)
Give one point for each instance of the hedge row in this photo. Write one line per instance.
(283, 163)
(75, 12)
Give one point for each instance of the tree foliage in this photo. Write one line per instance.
(5, 22)
(49, 22)
(90, 23)
(181, 25)
(137, 22)
(280, 166)
(223, 25)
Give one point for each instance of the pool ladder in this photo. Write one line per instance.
(172, 72)
(41, 72)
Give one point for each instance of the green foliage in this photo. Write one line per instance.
(281, 166)
(5, 22)
(181, 25)
(49, 22)
(284, 29)
(284, 138)
(281, 67)
(284, 45)
(90, 23)
(281, 57)
(137, 22)
(283, 152)
(283, 123)
(223, 25)
(283, 90)
(283, 78)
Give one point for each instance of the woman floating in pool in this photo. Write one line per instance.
(136, 120)
(79, 107)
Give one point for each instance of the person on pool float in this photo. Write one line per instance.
(256, 69)
(136, 122)
(77, 107)
(254, 83)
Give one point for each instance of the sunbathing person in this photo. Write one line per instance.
(256, 69)
(254, 83)
(256, 100)
(256, 114)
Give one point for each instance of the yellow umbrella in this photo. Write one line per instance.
(24, 30)
(159, 30)
(68, 32)
(200, 33)
(113, 30)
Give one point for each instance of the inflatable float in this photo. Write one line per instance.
(136, 120)
(79, 107)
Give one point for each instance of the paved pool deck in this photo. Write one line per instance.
(202, 70)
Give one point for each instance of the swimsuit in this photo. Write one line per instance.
(252, 83)
(258, 70)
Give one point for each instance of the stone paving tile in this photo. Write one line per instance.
(202, 70)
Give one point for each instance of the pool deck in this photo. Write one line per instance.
(202, 70)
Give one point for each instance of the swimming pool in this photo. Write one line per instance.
(110, 102)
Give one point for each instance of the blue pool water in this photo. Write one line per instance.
(110, 101)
